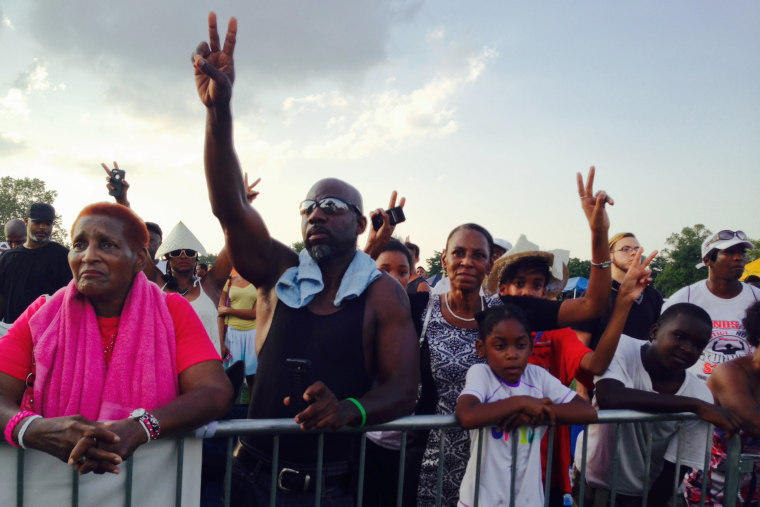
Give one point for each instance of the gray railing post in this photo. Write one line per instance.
(731, 493)
(479, 456)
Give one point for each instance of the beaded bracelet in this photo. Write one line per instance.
(151, 425)
(24, 427)
(361, 410)
(12, 425)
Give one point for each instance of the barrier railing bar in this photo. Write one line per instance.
(439, 479)
(479, 456)
(706, 469)
(19, 477)
(232, 428)
(513, 469)
(732, 480)
(677, 475)
(180, 465)
(401, 470)
(275, 463)
(75, 488)
(549, 456)
(235, 427)
(615, 464)
(320, 478)
(128, 486)
(362, 460)
(228, 472)
(584, 453)
(647, 462)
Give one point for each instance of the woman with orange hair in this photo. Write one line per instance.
(108, 362)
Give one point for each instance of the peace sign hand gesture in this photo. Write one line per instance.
(215, 67)
(594, 204)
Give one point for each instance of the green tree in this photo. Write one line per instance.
(754, 254)
(298, 246)
(434, 266)
(17, 195)
(577, 267)
(208, 259)
(684, 252)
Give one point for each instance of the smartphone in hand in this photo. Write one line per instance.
(299, 371)
(117, 175)
(395, 216)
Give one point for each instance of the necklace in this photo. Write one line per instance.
(446, 298)
(183, 292)
(108, 349)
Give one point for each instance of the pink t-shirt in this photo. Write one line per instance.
(193, 344)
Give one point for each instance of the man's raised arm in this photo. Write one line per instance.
(257, 257)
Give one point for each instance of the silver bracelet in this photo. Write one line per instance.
(601, 265)
(24, 426)
(145, 427)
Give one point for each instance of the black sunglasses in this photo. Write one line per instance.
(330, 205)
(187, 251)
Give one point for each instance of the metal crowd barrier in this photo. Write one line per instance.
(231, 429)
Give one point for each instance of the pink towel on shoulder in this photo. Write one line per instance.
(71, 376)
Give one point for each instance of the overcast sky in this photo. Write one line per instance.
(475, 111)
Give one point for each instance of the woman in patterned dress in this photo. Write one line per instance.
(448, 340)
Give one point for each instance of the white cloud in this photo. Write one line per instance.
(33, 81)
(478, 62)
(14, 104)
(383, 120)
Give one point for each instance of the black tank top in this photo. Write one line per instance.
(411, 287)
(335, 347)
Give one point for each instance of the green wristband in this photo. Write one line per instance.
(361, 410)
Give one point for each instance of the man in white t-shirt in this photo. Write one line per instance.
(652, 377)
(723, 297)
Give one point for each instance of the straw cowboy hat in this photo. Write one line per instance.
(180, 237)
(523, 249)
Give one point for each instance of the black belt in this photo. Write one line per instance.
(295, 476)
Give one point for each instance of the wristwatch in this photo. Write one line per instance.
(148, 421)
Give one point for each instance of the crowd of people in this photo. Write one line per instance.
(125, 337)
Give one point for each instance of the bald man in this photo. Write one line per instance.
(347, 324)
(15, 232)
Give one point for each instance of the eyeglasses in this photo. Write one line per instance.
(628, 249)
(726, 234)
(330, 205)
(187, 251)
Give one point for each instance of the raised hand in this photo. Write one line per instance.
(594, 204)
(250, 193)
(637, 277)
(122, 199)
(377, 239)
(215, 67)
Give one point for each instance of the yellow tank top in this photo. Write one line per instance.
(241, 298)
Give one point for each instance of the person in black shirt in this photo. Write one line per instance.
(40, 266)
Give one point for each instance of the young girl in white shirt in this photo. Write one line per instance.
(520, 399)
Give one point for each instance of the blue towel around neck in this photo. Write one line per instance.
(298, 285)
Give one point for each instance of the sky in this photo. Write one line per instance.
(474, 111)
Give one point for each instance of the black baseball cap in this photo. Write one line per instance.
(42, 211)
